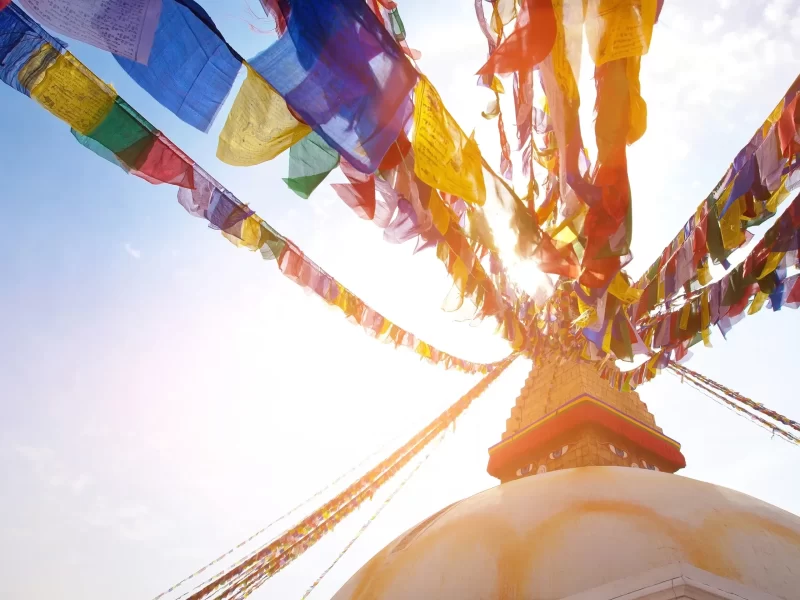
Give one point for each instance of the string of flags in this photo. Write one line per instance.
(38, 65)
(758, 180)
(340, 89)
(639, 318)
(252, 571)
(371, 520)
(751, 404)
(262, 123)
(411, 170)
(585, 209)
(716, 395)
(243, 543)
(761, 279)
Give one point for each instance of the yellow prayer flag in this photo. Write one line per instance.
(423, 349)
(619, 28)
(705, 318)
(444, 157)
(686, 311)
(519, 338)
(703, 274)
(587, 318)
(648, 340)
(439, 213)
(72, 93)
(730, 224)
(607, 338)
(757, 303)
(497, 86)
(460, 275)
(566, 53)
(638, 110)
(384, 328)
(773, 260)
(565, 236)
(778, 197)
(259, 126)
(774, 115)
(620, 288)
(249, 234)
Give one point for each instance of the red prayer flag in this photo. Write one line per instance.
(359, 194)
(164, 163)
(787, 127)
(529, 43)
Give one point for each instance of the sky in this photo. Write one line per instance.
(164, 394)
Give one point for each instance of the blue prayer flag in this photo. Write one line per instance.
(20, 39)
(341, 71)
(191, 68)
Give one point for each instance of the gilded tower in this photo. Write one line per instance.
(567, 416)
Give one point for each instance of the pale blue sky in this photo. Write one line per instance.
(165, 394)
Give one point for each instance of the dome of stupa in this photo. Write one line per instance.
(592, 533)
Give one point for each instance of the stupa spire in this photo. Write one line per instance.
(567, 416)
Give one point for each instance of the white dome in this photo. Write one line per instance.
(559, 534)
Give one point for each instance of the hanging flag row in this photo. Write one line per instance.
(612, 321)
(371, 520)
(338, 71)
(751, 404)
(38, 65)
(761, 176)
(758, 281)
(582, 208)
(268, 117)
(251, 572)
(762, 278)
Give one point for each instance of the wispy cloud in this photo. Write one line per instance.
(131, 523)
(133, 252)
(713, 25)
(80, 483)
(775, 12)
(34, 454)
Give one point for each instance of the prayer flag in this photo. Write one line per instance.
(310, 162)
(619, 28)
(124, 27)
(529, 43)
(445, 158)
(73, 94)
(191, 68)
(20, 41)
(260, 125)
(340, 70)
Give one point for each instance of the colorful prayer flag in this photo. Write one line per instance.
(124, 27)
(444, 157)
(191, 68)
(341, 71)
(259, 127)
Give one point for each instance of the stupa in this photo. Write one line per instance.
(588, 508)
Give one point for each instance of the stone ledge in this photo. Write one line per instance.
(678, 581)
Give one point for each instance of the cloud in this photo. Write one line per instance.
(37, 455)
(713, 25)
(133, 252)
(775, 12)
(129, 522)
(80, 483)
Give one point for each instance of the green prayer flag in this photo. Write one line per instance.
(310, 161)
